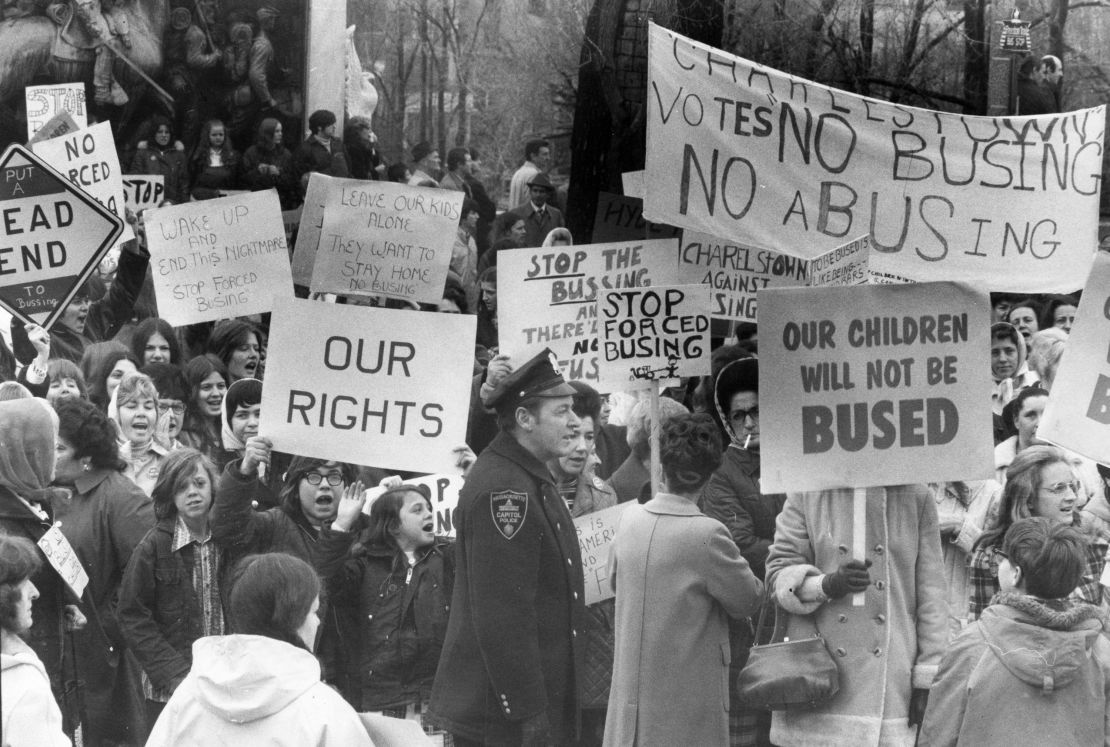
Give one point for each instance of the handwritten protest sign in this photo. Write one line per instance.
(218, 258)
(621, 218)
(379, 387)
(64, 560)
(142, 191)
(771, 160)
(653, 333)
(1077, 416)
(736, 273)
(88, 159)
(44, 102)
(855, 394)
(595, 538)
(384, 238)
(844, 265)
(547, 296)
(444, 492)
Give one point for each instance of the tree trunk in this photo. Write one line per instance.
(976, 57)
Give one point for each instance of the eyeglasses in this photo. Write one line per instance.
(1000, 555)
(333, 478)
(1060, 487)
(740, 415)
(176, 406)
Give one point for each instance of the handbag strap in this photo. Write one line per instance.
(769, 601)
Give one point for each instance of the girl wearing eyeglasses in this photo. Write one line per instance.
(1041, 481)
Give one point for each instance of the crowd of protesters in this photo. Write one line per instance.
(236, 593)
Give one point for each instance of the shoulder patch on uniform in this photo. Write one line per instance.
(508, 509)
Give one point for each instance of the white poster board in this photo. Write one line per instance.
(1077, 416)
(546, 296)
(874, 385)
(771, 160)
(595, 539)
(219, 258)
(44, 102)
(378, 387)
(652, 334)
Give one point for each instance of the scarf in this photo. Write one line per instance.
(28, 428)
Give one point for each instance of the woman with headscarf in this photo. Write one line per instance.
(268, 164)
(104, 520)
(239, 423)
(27, 440)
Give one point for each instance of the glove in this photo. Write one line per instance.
(919, 700)
(851, 577)
(536, 731)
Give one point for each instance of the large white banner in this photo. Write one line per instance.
(778, 162)
(379, 387)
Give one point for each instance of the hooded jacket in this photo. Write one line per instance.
(1031, 671)
(249, 689)
(30, 714)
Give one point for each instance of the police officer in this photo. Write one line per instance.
(512, 652)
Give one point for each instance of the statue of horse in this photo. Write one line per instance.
(34, 50)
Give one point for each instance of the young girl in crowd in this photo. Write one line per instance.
(1041, 481)
(65, 380)
(392, 589)
(104, 365)
(104, 519)
(170, 595)
(30, 715)
(261, 684)
(214, 165)
(134, 410)
(206, 377)
(268, 164)
(238, 345)
(154, 341)
(241, 408)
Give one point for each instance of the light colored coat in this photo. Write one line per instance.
(678, 578)
(891, 644)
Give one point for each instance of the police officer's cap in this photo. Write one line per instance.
(537, 378)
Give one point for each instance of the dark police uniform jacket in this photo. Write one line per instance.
(514, 641)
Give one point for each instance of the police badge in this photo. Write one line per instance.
(508, 509)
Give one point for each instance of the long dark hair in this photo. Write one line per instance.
(385, 515)
(178, 468)
(196, 371)
(146, 329)
(271, 595)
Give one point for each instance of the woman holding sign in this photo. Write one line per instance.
(393, 590)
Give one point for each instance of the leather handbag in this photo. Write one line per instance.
(787, 675)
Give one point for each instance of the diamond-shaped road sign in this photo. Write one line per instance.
(52, 236)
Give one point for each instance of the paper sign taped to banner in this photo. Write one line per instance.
(379, 387)
(547, 296)
(595, 539)
(1077, 416)
(388, 239)
(64, 560)
(60, 124)
(844, 265)
(741, 150)
(44, 102)
(88, 159)
(874, 385)
(736, 273)
(652, 334)
(444, 492)
(217, 259)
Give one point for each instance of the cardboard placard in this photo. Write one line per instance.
(88, 159)
(60, 124)
(741, 150)
(736, 273)
(547, 296)
(1077, 415)
(621, 218)
(379, 387)
(45, 102)
(142, 191)
(595, 539)
(54, 236)
(874, 385)
(650, 334)
(219, 258)
(388, 239)
(844, 265)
